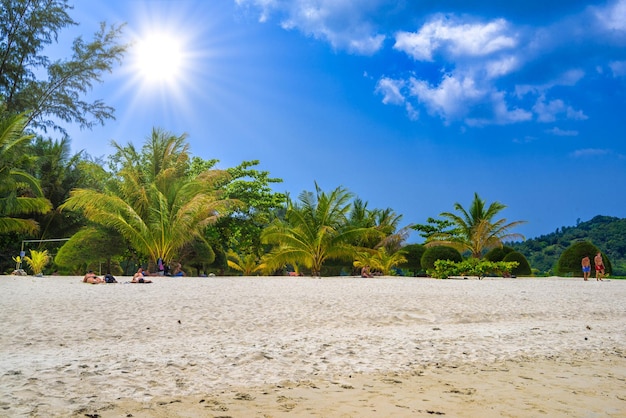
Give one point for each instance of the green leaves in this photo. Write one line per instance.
(471, 267)
(29, 27)
(475, 230)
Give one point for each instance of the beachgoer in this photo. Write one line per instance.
(597, 260)
(160, 267)
(92, 278)
(139, 277)
(365, 272)
(586, 264)
(178, 272)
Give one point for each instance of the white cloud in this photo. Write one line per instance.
(618, 68)
(500, 113)
(344, 24)
(548, 111)
(451, 99)
(589, 152)
(501, 66)
(561, 132)
(568, 78)
(457, 39)
(392, 94)
(613, 16)
(391, 90)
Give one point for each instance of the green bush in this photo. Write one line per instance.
(472, 267)
(413, 254)
(523, 267)
(569, 262)
(439, 252)
(498, 253)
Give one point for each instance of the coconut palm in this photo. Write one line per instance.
(156, 206)
(379, 260)
(20, 193)
(475, 230)
(315, 229)
(247, 264)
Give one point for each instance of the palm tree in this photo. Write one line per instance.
(155, 205)
(20, 193)
(315, 229)
(475, 230)
(379, 260)
(247, 264)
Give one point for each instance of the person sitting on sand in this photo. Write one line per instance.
(178, 272)
(91, 278)
(365, 272)
(139, 277)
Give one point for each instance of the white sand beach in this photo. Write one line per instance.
(330, 347)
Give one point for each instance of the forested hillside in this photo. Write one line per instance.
(605, 232)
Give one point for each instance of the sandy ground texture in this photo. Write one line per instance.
(331, 347)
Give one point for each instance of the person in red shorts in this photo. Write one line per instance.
(597, 260)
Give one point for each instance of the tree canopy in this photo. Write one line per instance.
(474, 230)
(26, 28)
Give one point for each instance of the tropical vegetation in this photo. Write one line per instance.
(606, 233)
(160, 203)
(472, 230)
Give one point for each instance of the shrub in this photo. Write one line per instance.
(472, 267)
(523, 267)
(439, 252)
(570, 259)
(498, 253)
(37, 261)
(413, 254)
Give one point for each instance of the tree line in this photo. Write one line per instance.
(158, 203)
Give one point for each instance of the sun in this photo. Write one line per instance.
(159, 58)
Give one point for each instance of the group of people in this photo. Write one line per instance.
(598, 263)
(139, 277)
(93, 278)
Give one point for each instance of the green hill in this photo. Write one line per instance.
(605, 232)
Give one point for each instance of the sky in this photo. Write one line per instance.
(410, 105)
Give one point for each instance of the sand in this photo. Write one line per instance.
(330, 347)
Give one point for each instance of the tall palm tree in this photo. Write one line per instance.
(20, 193)
(315, 229)
(156, 206)
(475, 230)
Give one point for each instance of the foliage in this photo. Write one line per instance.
(413, 254)
(314, 229)
(89, 246)
(475, 230)
(37, 261)
(241, 230)
(155, 205)
(383, 225)
(20, 193)
(379, 260)
(434, 227)
(27, 28)
(247, 264)
(523, 267)
(570, 260)
(604, 232)
(471, 267)
(498, 253)
(432, 254)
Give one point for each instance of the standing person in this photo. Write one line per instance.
(597, 260)
(586, 263)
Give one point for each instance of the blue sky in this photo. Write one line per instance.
(412, 105)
